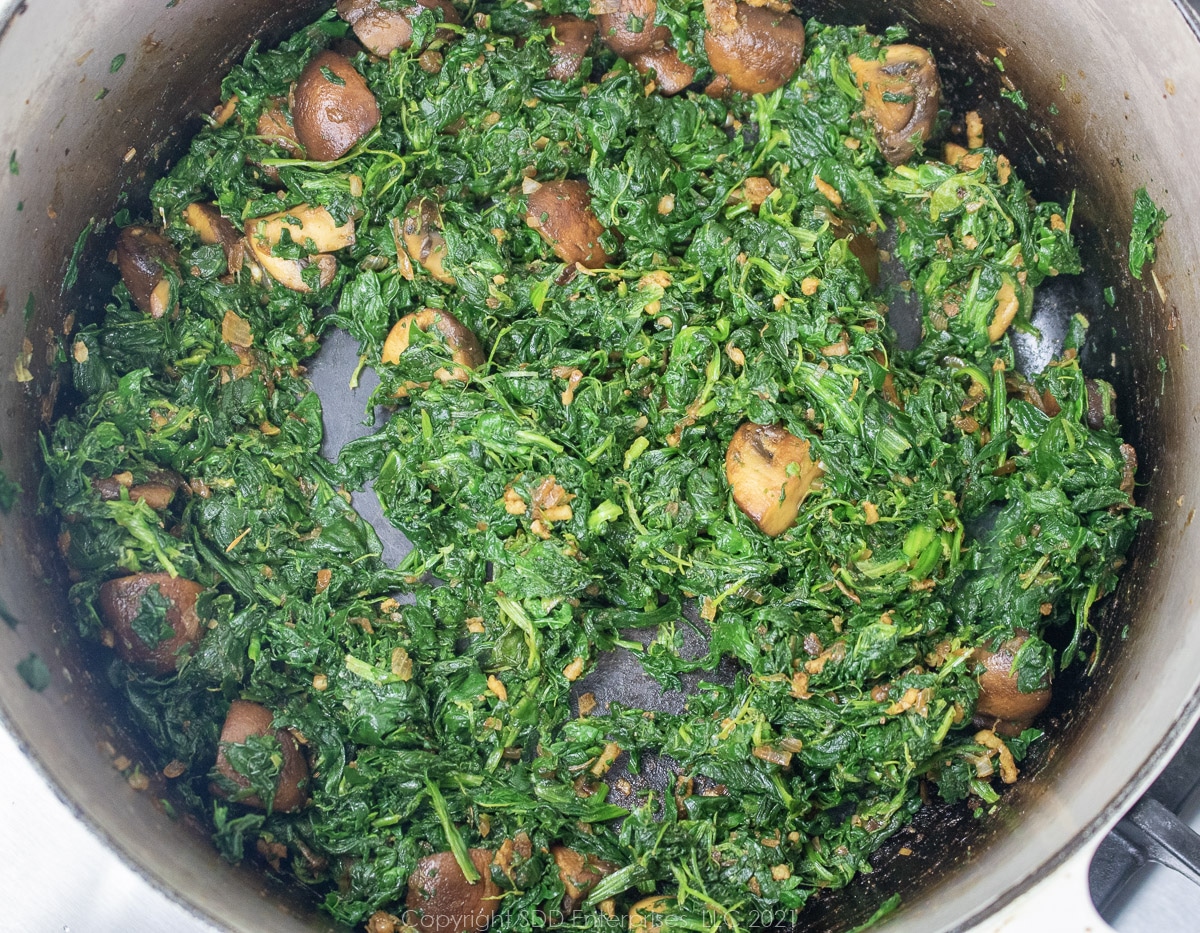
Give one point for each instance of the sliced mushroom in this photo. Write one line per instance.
(423, 237)
(671, 73)
(646, 915)
(146, 259)
(275, 126)
(569, 43)
(1002, 707)
(138, 640)
(1007, 306)
(441, 900)
(312, 228)
(245, 720)
(158, 491)
(512, 860)
(332, 107)
(561, 211)
(627, 26)
(1129, 470)
(770, 472)
(756, 49)
(902, 92)
(383, 30)
(212, 228)
(464, 346)
(579, 874)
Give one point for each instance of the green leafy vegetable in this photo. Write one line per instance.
(556, 454)
(1148, 221)
(150, 623)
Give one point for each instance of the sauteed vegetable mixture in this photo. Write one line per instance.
(619, 272)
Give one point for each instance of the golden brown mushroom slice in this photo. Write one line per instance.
(902, 92)
(1002, 707)
(148, 636)
(423, 237)
(382, 30)
(561, 212)
(626, 26)
(569, 43)
(245, 720)
(756, 49)
(646, 915)
(579, 874)
(671, 73)
(275, 126)
(146, 258)
(770, 472)
(312, 228)
(332, 107)
(213, 228)
(442, 900)
(158, 491)
(464, 345)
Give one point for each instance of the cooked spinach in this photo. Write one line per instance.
(1148, 222)
(568, 498)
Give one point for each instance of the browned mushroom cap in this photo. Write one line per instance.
(561, 211)
(671, 73)
(770, 472)
(212, 227)
(569, 43)
(312, 228)
(148, 643)
(332, 107)
(999, 698)
(902, 92)
(423, 237)
(646, 915)
(579, 874)
(441, 900)
(157, 491)
(382, 31)
(144, 257)
(246, 719)
(464, 346)
(626, 26)
(755, 48)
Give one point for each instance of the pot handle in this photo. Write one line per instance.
(1062, 903)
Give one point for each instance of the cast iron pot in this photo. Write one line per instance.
(1113, 92)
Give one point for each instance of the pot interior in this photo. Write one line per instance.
(87, 136)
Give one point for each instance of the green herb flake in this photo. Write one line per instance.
(1148, 222)
(150, 623)
(115, 65)
(72, 274)
(1015, 97)
(34, 672)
